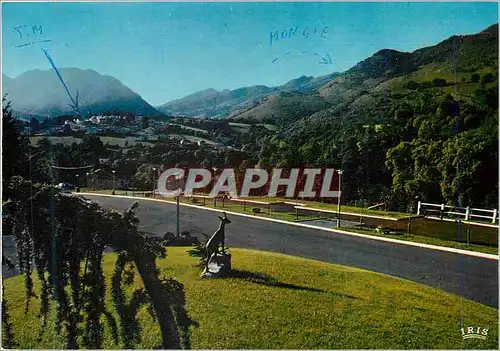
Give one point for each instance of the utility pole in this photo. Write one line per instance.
(154, 179)
(177, 223)
(340, 192)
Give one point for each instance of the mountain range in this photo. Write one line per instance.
(41, 93)
(213, 103)
(369, 81)
(38, 93)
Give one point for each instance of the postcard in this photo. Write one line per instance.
(250, 175)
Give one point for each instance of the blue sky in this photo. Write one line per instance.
(164, 51)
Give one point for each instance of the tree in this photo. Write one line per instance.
(438, 82)
(13, 148)
(144, 176)
(412, 85)
(34, 124)
(475, 78)
(488, 78)
(93, 144)
(66, 233)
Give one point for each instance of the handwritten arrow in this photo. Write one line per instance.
(74, 106)
(325, 60)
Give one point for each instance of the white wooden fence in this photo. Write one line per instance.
(467, 213)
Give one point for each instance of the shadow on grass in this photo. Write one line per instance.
(267, 280)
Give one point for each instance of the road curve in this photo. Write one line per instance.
(474, 278)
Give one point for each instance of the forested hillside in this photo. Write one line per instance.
(405, 126)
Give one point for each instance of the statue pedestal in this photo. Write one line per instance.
(219, 267)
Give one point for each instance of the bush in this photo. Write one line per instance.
(195, 200)
(382, 229)
(474, 78)
(256, 210)
(168, 236)
(438, 82)
(412, 85)
(184, 239)
(487, 78)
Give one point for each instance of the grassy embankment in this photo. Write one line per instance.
(276, 301)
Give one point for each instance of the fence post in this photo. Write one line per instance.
(215, 201)
(467, 213)
(203, 200)
(223, 197)
(468, 235)
(418, 207)
(409, 226)
(442, 211)
(269, 209)
(244, 205)
(296, 213)
(495, 213)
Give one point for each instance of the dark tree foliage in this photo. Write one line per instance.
(13, 148)
(401, 147)
(438, 82)
(7, 333)
(488, 78)
(63, 238)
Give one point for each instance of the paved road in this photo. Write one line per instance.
(471, 277)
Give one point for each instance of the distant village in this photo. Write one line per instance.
(143, 128)
(97, 125)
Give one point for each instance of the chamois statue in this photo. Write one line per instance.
(212, 245)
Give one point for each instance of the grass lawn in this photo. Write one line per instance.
(130, 141)
(277, 301)
(68, 140)
(286, 216)
(244, 127)
(352, 209)
(330, 206)
(428, 240)
(191, 138)
(190, 128)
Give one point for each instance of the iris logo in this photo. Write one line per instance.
(474, 333)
